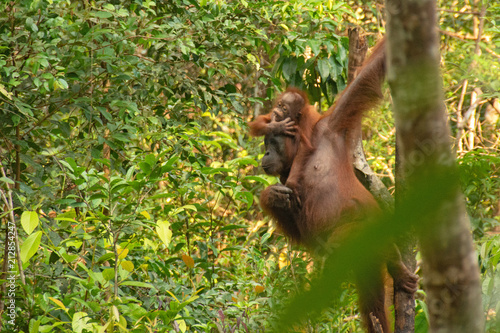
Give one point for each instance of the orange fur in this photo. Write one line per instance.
(321, 197)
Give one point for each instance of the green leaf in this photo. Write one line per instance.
(103, 15)
(15, 119)
(289, 68)
(63, 84)
(29, 221)
(258, 179)
(189, 207)
(212, 171)
(164, 232)
(121, 137)
(70, 214)
(98, 196)
(69, 257)
(181, 323)
(145, 167)
(246, 197)
(336, 68)
(30, 246)
(7, 180)
(315, 46)
(122, 12)
(4, 92)
(323, 68)
(170, 164)
(127, 265)
(105, 257)
(23, 108)
(265, 237)
(108, 274)
(34, 326)
(69, 163)
(244, 161)
(136, 284)
(233, 226)
(105, 113)
(150, 159)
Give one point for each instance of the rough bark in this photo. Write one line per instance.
(357, 53)
(451, 274)
(404, 303)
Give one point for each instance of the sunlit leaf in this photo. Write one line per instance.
(136, 284)
(283, 260)
(122, 323)
(164, 232)
(59, 303)
(122, 253)
(182, 324)
(80, 322)
(108, 274)
(115, 312)
(30, 246)
(29, 221)
(127, 265)
(4, 92)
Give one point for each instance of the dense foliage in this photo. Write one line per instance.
(129, 175)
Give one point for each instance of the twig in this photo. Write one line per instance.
(475, 93)
(477, 50)
(462, 37)
(490, 51)
(460, 125)
(457, 12)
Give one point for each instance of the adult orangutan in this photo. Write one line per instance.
(321, 198)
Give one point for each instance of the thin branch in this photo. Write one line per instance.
(477, 50)
(460, 126)
(457, 12)
(471, 37)
(463, 37)
(467, 114)
(490, 51)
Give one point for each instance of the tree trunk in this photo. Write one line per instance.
(357, 53)
(451, 274)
